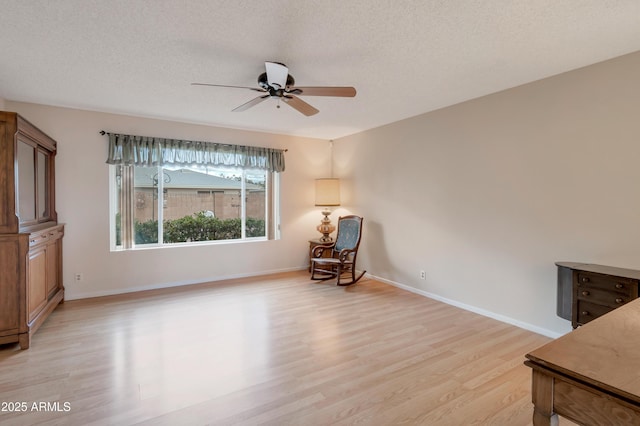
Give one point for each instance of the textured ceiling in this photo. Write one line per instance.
(404, 57)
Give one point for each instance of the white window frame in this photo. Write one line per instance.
(272, 211)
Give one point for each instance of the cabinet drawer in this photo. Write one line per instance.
(45, 236)
(38, 238)
(626, 286)
(55, 233)
(590, 311)
(603, 297)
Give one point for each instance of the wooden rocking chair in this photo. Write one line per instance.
(333, 259)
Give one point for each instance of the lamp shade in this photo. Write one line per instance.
(328, 192)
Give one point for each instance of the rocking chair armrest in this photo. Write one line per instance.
(319, 249)
(344, 254)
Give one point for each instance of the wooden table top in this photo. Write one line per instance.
(604, 353)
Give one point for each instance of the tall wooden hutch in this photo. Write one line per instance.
(30, 236)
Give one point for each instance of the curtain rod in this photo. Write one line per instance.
(102, 132)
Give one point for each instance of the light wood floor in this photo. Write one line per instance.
(279, 350)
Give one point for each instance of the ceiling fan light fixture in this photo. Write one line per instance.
(264, 82)
(277, 74)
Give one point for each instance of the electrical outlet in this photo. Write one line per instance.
(423, 275)
(78, 277)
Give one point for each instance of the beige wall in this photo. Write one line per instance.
(83, 204)
(486, 195)
(2, 104)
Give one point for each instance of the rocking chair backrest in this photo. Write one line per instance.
(349, 230)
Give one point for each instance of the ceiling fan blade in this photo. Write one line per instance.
(224, 85)
(252, 102)
(276, 74)
(300, 105)
(343, 92)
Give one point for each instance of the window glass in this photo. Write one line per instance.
(43, 185)
(175, 205)
(146, 213)
(255, 183)
(26, 177)
(115, 197)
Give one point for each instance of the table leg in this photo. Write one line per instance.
(542, 396)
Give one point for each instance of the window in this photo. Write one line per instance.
(180, 202)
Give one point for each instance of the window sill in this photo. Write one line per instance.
(190, 244)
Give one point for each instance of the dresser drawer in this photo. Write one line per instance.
(619, 285)
(603, 297)
(590, 311)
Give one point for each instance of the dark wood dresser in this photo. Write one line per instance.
(593, 290)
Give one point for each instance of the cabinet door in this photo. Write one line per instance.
(9, 285)
(37, 281)
(53, 271)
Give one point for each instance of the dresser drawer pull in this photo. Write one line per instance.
(619, 285)
(585, 293)
(585, 313)
(585, 279)
(619, 300)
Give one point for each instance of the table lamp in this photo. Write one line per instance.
(327, 195)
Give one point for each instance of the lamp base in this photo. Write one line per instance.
(325, 227)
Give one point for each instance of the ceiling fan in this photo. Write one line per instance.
(277, 83)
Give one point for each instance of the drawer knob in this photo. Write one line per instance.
(585, 313)
(618, 300)
(585, 293)
(618, 285)
(585, 279)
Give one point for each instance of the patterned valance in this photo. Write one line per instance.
(152, 151)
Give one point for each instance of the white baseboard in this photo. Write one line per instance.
(480, 311)
(100, 293)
